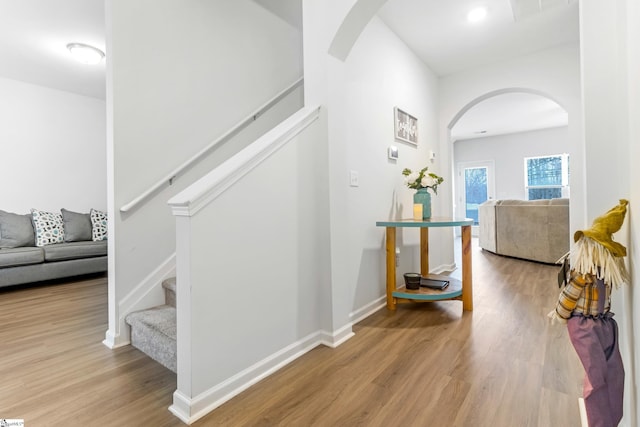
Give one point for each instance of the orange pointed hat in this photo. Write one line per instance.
(604, 226)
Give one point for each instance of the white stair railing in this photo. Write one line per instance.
(249, 241)
(169, 179)
(200, 193)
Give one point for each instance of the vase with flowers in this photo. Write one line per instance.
(422, 181)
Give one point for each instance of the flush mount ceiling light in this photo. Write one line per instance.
(85, 53)
(476, 15)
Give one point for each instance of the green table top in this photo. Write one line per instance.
(431, 222)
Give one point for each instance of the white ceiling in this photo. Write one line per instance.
(509, 113)
(438, 32)
(33, 39)
(289, 10)
(34, 35)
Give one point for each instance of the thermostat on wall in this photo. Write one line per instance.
(393, 152)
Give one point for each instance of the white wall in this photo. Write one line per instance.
(318, 259)
(360, 86)
(632, 300)
(554, 73)
(380, 72)
(355, 88)
(632, 297)
(610, 62)
(181, 74)
(508, 153)
(53, 149)
(252, 266)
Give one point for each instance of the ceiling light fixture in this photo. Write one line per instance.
(476, 15)
(85, 53)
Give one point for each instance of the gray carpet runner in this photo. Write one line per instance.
(153, 331)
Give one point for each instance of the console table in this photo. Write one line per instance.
(456, 290)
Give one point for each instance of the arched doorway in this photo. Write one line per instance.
(501, 140)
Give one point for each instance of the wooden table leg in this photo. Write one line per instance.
(424, 251)
(467, 281)
(391, 267)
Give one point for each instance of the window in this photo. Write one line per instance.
(547, 177)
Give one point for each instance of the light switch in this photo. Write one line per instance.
(353, 179)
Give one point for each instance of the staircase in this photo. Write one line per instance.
(153, 331)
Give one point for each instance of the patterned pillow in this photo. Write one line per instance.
(48, 227)
(98, 225)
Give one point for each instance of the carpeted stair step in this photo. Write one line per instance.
(153, 332)
(169, 286)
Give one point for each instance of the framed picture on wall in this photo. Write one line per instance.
(405, 126)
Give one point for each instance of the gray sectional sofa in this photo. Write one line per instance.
(38, 251)
(536, 230)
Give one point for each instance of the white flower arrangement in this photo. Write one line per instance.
(422, 179)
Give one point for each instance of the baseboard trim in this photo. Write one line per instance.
(583, 413)
(190, 410)
(366, 311)
(114, 341)
(110, 339)
(444, 268)
(181, 407)
(338, 337)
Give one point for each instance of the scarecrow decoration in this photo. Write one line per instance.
(596, 265)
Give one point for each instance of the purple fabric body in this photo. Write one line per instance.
(596, 342)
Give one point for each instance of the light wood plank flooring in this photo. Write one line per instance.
(503, 365)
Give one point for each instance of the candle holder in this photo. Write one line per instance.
(412, 281)
(417, 211)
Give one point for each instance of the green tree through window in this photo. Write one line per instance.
(475, 191)
(546, 177)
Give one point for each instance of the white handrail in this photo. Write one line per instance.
(168, 179)
(200, 193)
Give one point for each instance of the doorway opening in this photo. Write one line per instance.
(476, 185)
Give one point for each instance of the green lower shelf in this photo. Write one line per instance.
(454, 290)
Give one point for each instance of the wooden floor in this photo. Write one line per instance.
(502, 365)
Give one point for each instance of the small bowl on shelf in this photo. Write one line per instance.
(412, 281)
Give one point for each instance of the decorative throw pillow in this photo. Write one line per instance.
(77, 226)
(48, 227)
(98, 225)
(15, 230)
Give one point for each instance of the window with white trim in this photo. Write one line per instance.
(546, 177)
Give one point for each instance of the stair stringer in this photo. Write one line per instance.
(148, 293)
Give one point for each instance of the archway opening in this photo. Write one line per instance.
(509, 144)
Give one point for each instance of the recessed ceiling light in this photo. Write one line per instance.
(85, 53)
(476, 15)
